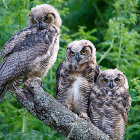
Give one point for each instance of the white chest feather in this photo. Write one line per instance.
(76, 89)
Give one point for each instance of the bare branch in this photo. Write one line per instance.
(54, 114)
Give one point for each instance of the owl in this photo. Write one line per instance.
(32, 51)
(109, 103)
(75, 76)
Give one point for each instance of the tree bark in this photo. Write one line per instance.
(47, 109)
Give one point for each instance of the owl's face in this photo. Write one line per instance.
(79, 52)
(43, 16)
(111, 79)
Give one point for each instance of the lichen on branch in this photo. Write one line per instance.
(47, 109)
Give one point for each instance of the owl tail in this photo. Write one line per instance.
(3, 86)
(3, 90)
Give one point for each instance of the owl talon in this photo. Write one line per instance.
(33, 82)
(84, 116)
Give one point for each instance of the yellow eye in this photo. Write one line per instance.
(47, 19)
(83, 52)
(72, 53)
(105, 80)
(117, 80)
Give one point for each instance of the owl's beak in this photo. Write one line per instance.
(77, 57)
(111, 85)
(40, 26)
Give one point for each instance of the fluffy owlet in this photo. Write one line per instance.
(32, 51)
(109, 103)
(75, 76)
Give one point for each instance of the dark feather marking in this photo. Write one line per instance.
(32, 39)
(12, 39)
(13, 66)
(111, 110)
(3, 90)
(96, 74)
(58, 74)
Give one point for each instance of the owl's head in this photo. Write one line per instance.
(112, 78)
(43, 16)
(80, 52)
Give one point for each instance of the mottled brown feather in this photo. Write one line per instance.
(108, 108)
(29, 56)
(74, 81)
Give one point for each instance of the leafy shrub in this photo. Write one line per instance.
(113, 28)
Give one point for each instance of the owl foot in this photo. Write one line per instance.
(84, 116)
(33, 82)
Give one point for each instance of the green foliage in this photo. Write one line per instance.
(113, 27)
(133, 124)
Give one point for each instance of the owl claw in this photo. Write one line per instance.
(84, 116)
(33, 82)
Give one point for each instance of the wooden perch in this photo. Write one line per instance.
(54, 114)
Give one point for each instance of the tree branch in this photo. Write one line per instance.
(54, 114)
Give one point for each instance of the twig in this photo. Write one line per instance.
(72, 129)
(109, 49)
(24, 123)
(120, 48)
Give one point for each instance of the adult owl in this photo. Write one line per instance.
(75, 76)
(109, 103)
(32, 51)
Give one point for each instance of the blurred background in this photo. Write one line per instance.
(114, 28)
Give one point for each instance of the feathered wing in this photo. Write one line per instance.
(126, 103)
(3, 90)
(3, 87)
(22, 55)
(27, 38)
(110, 117)
(58, 75)
(123, 109)
(95, 107)
(16, 39)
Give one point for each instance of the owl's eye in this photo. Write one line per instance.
(33, 21)
(72, 53)
(47, 19)
(117, 80)
(83, 52)
(105, 80)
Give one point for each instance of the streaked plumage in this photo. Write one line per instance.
(75, 76)
(109, 103)
(32, 51)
